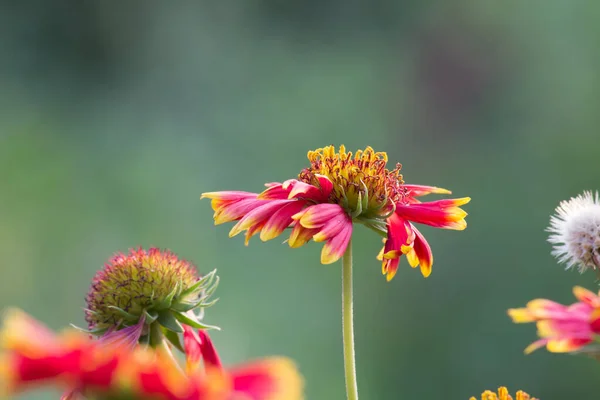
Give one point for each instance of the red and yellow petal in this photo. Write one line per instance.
(586, 296)
(422, 190)
(88, 367)
(193, 352)
(258, 215)
(400, 240)
(423, 253)
(305, 191)
(325, 185)
(389, 267)
(280, 220)
(300, 235)
(520, 315)
(221, 199)
(317, 215)
(336, 246)
(566, 345)
(595, 321)
(275, 191)
(333, 228)
(400, 236)
(441, 213)
(269, 379)
(236, 210)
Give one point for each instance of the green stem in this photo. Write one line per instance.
(159, 342)
(348, 325)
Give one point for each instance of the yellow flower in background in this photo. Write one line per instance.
(503, 395)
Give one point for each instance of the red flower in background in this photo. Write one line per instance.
(562, 328)
(32, 356)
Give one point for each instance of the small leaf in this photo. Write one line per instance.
(124, 314)
(365, 199)
(167, 320)
(187, 306)
(209, 291)
(358, 210)
(204, 281)
(165, 303)
(174, 339)
(193, 322)
(95, 332)
(151, 316)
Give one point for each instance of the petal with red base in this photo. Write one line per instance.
(441, 214)
(258, 215)
(236, 210)
(399, 241)
(336, 246)
(280, 220)
(300, 235)
(94, 369)
(271, 379)
(317, 215)
(422, 253)
(422, 190)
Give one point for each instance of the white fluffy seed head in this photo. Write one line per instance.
(575, 232)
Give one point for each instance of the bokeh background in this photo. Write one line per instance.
(115, 117)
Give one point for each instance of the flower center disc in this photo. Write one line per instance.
(361, 184)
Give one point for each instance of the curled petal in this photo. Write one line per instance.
(275, 191)
(399, 241)
(325, 184)
(209, 353)
(192, 347)
(389, 267)
(305, 190)
(422, 252)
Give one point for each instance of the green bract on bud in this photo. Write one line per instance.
(148, 293)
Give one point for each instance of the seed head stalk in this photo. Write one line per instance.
(160, 343)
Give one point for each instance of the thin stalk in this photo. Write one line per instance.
(159, 342)
(348, 325)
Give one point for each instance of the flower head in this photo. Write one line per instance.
(562, 328)
(503, 395)
(575, 232)
(142, 289)
(31, 355)
(336, 191)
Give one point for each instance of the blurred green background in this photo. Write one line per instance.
(115, 117)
